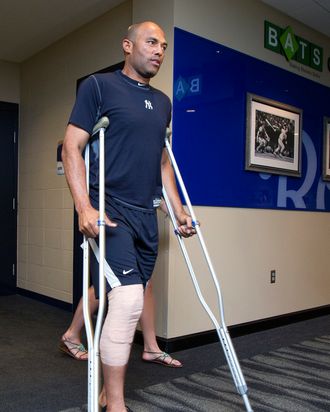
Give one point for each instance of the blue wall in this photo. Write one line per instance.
(211, 83)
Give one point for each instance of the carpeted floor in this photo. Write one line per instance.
(290, 379)
(286, 369)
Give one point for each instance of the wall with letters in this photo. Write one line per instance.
(210, 119)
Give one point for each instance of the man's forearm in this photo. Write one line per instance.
(75, 173)
(169, 183)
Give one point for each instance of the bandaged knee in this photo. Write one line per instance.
(124, 311)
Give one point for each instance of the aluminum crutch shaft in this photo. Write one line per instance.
(86, 312)
(94, 341)
(223, 334)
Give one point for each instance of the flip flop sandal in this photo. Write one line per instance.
(161, 359)
(104, 409)
(72, 349)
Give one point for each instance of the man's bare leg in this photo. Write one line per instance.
(114, 378)
(147, 321)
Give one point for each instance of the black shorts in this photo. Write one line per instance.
(131, 247)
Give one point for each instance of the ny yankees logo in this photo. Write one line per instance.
(148, 105)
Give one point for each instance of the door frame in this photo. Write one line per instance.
(13, 107)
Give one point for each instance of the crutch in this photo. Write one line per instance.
(93, 338)
(221, 328)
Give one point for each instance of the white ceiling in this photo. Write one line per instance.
(28, 26)
(313, 13)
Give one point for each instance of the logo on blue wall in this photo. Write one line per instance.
(190, 86)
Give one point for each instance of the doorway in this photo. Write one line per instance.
(8, 198)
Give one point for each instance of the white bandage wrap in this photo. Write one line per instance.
(125, 308)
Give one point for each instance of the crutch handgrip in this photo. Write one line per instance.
(103, 123)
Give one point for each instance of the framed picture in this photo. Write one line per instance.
(273, 137)
(326, 149)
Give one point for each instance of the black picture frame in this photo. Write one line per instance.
(326, 149)
(273, 137)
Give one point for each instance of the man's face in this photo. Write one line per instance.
(147, 50)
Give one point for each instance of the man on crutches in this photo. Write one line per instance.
(136, 168)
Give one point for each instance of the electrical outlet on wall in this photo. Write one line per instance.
(273, 276)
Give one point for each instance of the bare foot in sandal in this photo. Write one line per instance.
(74, 349)
(103, 401)
(162, 358)
(103, 398)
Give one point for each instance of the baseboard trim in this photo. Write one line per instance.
(207, 337)
(45, 299)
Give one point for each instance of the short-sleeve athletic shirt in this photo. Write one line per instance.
(134, 140)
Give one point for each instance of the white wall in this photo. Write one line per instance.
(48, 84)
(9, 82)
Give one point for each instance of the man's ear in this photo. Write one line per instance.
(127, 46)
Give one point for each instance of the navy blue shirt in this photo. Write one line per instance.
(134, 140)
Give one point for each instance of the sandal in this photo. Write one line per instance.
(104, 409)
(103, 402)
(161, 359)
(73, 349)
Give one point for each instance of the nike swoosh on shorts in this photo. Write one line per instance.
(126, 272)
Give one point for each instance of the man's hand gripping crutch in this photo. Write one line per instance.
(173, 204)
(184, 226)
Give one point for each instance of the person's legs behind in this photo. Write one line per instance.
(146, 255)
(151, 351)
(70, 342)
